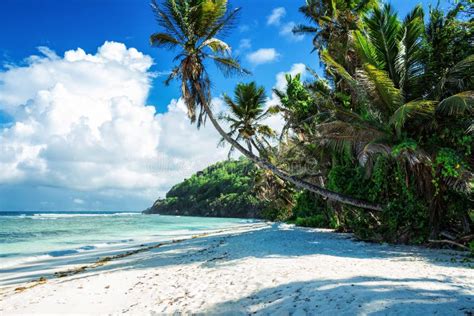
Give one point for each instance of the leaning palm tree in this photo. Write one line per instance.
(246, 112)
(193, 27)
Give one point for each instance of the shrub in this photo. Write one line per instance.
(317, 221)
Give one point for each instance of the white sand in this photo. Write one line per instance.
(267, 269)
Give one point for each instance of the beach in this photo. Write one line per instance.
(262, 268)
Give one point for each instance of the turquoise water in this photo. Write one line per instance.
(36, 235)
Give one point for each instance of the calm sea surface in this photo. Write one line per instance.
(25, 237)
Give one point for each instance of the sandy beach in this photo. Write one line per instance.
(273, 269)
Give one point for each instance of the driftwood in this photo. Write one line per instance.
(446, 241)
(447, 235)
(467, 238)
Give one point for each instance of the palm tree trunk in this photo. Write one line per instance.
(345, 199)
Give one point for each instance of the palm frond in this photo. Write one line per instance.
(345, 137)
(266, 131)
(228, 65)
(470, 129)
(383, 88)
(364, 6)
(164, 40)
(458, 104)
(368, 152)
(224, 24)
(367, 50)
(407, 63)
(177, 11)
(173, 75)
(412, 156)
(165, 21)
(459, 77)
(384, 29)
(216, 45)
(423, 109)
(337, 69)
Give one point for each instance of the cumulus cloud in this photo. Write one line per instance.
(245, 43)
(83, 137)
(82, 131)
(263, 56)
(285, 29)
(275, 17)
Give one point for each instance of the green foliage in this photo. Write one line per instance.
(311, 210)
(297, 104)
(449, 161)
(408, 144)
(193, 27)
(277, 214)
(224, 189)
(405, 217)
(317, 221)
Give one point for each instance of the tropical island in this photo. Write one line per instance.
(348, 188)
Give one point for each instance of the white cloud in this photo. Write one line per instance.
(83, 137)
(244, 28)
(83, 132)
(263, 56)
(275, 17)
(245, 43)
(287, 31)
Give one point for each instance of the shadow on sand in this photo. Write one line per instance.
(354, 296)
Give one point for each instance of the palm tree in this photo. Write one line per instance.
(400, 130)
(332, 23)
(193, 27)
(246, 111)
(298, 106)
(393, 115)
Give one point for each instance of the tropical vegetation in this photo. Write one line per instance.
(380, 145)
(225, 189)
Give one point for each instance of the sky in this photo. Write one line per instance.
(86, 122)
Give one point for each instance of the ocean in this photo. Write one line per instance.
(26, 237)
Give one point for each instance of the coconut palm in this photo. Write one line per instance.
(399, 130)
(246, 112)
(297, 106)
(332, 24)
(393, 116)
(193, 27)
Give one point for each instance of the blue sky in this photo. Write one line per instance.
(75, 129)
(67, 24)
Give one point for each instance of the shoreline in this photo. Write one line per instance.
(261, 267)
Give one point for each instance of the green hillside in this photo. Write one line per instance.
(224, 189)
